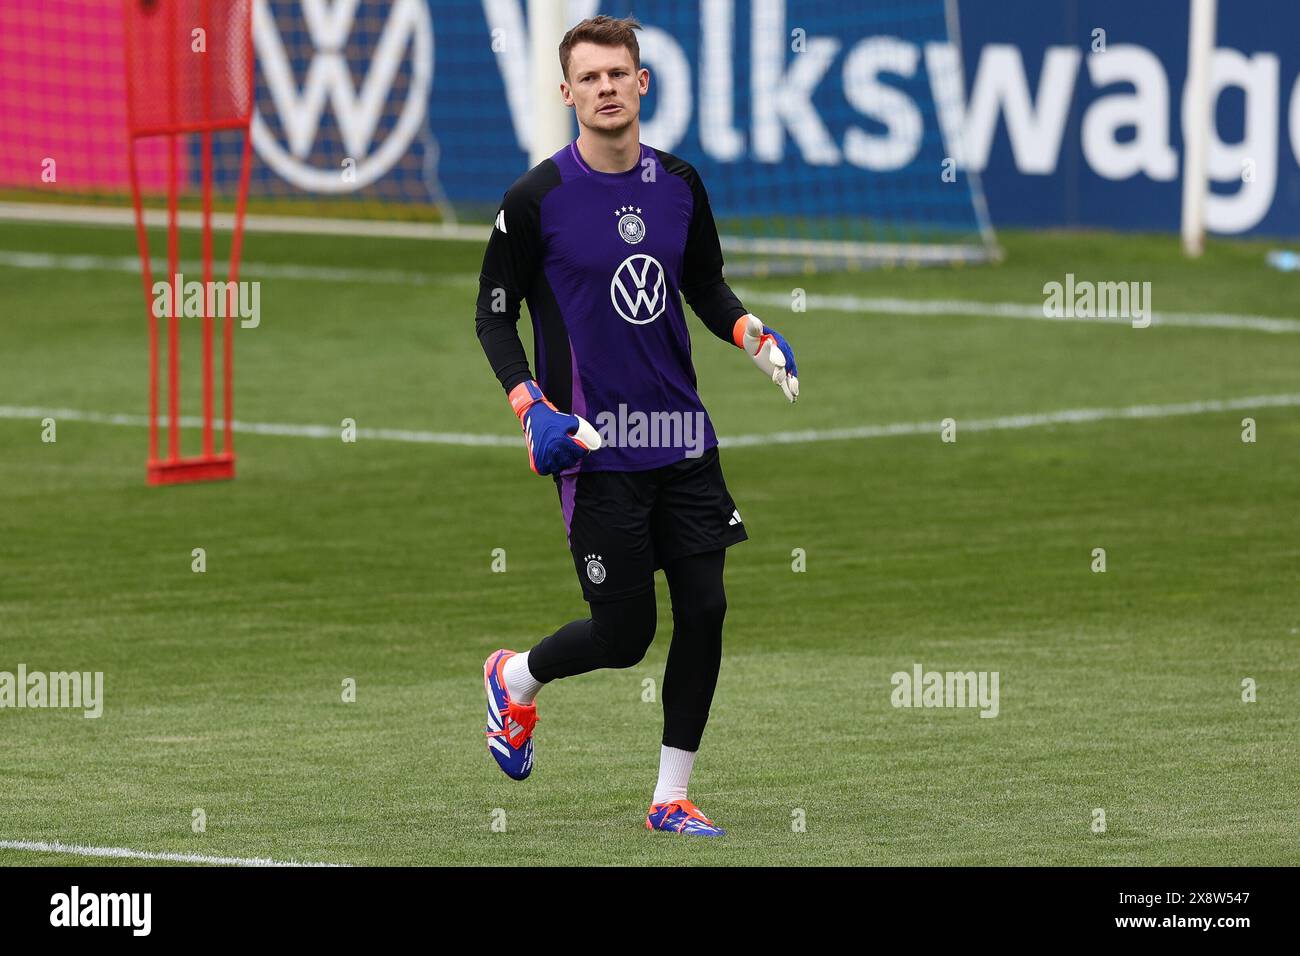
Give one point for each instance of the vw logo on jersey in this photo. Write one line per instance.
(637, 289)
(359, 114)
(630, 226)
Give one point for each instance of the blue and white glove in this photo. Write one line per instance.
(555, 440)
(770, 352)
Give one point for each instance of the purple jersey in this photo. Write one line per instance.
(602, 260)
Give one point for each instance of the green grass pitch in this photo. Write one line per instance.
(1120, 691)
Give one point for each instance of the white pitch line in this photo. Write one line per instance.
(1012, 310)
(45, 213)
(1069, 416)
(862, 305)
(262, 428)
(249, 270)
(121, 853)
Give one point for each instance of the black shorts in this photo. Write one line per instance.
(623, 525)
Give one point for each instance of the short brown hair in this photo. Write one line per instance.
(603, 31)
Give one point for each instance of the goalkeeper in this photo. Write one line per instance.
(600, 239)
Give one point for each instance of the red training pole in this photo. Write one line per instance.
(207, 241)
(173, 255)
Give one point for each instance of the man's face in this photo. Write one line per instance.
(604, 88)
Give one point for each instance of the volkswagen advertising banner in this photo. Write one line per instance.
(1072, 110)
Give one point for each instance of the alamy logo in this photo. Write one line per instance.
(134, 910)
(194, 300)
(77, 690)
(946, 689)
(636, 429)
(637, 289)
(1098, 300)
(408, 32)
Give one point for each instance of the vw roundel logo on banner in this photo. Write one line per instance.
(405, 34)
(637, 289)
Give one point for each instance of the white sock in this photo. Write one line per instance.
(521, 685)
(674, 773)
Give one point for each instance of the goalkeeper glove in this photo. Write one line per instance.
(555, 440)
(770, 352)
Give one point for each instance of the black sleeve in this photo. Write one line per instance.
(703, 286)
(510, 266)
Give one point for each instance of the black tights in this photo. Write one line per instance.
(618, 633)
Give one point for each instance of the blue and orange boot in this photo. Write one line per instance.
(509, 723)
(681, 816)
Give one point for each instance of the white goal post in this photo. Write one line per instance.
(552, 122)
(1196, 136)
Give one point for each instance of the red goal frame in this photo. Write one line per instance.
(170, 93)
